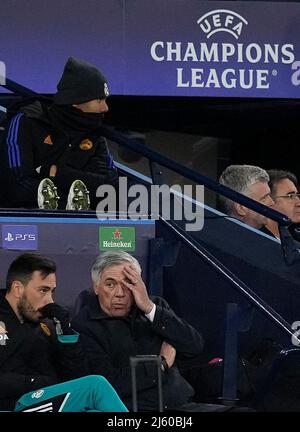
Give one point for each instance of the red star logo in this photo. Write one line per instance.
(117, 234)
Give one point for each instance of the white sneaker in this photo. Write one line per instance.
(47, 195)
(78, 198)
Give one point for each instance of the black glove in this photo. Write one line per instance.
(59, 315)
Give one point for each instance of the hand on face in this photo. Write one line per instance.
(135, 284)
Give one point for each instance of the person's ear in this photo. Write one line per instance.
(17, 288)
(240, 209)
(95, 288)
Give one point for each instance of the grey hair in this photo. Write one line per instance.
(109, 259)
(240, 178)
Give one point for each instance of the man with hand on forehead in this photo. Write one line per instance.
(120, 320)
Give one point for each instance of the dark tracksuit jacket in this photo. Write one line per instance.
(31, 358)
(32, 142)
(109, 342)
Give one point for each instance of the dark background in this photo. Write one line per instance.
(262, 132)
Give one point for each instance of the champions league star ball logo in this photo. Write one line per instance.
(222, 20)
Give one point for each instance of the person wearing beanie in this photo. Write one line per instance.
(80, 82)
(56, 150)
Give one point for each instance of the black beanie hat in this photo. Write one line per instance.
(80, 82)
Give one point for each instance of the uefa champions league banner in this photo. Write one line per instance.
(157, 47)
(207, 48)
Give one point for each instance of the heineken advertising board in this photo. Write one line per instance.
(117, 238)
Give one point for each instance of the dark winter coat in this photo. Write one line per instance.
(109, 343)
(31, 356)
(33, 142)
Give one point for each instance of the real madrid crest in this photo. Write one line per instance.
(45, 329)
(106, 91)
(86, 144)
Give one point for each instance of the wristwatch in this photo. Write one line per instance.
(164, 364)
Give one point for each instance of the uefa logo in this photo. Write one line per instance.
(222, 20)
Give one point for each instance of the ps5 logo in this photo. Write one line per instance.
(22, 237)
(9, 237)
(222, 20)
(19, 237)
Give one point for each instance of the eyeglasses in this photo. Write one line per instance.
(291, 196)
